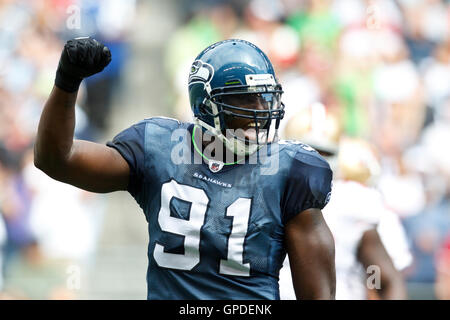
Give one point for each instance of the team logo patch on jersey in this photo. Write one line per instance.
(215, 166)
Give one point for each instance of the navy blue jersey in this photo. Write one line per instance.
(216, 235)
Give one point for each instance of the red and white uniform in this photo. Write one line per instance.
(354, 209)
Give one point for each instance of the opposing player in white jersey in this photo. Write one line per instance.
(371, 247)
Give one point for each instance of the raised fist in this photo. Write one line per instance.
(80, 58)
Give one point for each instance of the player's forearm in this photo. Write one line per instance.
(371, 252)
(55, 132)
(83, 164)
(393, 288)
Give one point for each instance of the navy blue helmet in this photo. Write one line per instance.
(232, 87)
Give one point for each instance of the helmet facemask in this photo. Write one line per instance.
(245, 117)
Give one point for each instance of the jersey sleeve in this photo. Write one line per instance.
(308, 185)
(130, 144)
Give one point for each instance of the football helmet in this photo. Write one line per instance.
(358, 161)
(314, 126)
(235, 95)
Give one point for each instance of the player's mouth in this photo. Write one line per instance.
(251, 135)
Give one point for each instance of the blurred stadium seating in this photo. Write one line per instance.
(380, 68)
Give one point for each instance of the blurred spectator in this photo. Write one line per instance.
(212, 21)
(43, 219)
(427, 232)
(2, 246)
(380, 70)
(427, 23)
(109, 22)
(443, 271)
(32, 276)
(436, 75)
(15, 201)
(59, 213)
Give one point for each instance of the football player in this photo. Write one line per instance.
(220, 224)
(368, 237)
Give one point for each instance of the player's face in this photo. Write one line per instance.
(250, 102)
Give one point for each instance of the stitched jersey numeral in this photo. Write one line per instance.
(239, 210)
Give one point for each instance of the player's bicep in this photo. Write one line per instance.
(310, 246)
(96, 168)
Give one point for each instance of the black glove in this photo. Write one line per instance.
(81, 58)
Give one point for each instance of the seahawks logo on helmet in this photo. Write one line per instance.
(200, 72)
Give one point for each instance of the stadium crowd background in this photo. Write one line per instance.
(380, 69)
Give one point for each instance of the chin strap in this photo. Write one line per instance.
(201, 153)
(234, 145)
